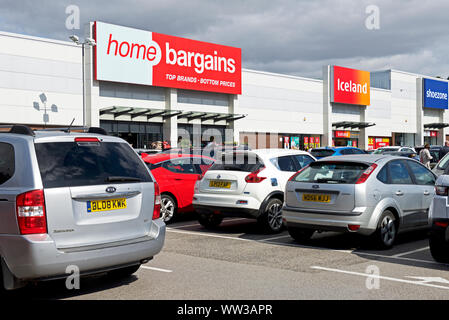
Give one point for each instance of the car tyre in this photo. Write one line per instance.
(168, 208)
(123, 272)
(300, 234)
(210, 221)
(271, 218)
(386, 232)
(439, 248)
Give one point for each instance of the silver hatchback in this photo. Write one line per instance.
(374, 195)
(84, 200)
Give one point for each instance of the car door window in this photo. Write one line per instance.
(183, 165)
(422, 175)
(303, 160)
(284, 163)
(7, 162)
(357, 151)
(399, 173)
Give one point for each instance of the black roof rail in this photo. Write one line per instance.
(19, 129)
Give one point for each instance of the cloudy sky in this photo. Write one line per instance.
(294, 37)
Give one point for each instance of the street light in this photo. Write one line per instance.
(90, 42)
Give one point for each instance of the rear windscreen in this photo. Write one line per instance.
(71, 164)
(335, 172)
(322, 153)
(238, 162)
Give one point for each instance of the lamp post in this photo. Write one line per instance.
(90, 42)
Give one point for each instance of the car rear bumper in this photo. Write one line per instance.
(36, 257)
(226, 201)
(329, 221)
(227, 211)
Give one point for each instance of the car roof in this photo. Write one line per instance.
(59, 136)
(160, 157)
(362, 158)
(276, 152)
(334, 148)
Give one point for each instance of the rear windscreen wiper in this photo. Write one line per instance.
(122, 179)
(330, 180)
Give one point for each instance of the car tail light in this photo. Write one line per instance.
(441, 224)
(353, 227)
(365, 175)
(296, 174)
(30, 209)
(86, 139)
(441, 191)
(157, 202)
(253, 176)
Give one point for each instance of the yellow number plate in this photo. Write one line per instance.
(316, 197)
(220, 184)
(106, 205)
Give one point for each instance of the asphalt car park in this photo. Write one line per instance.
(239, 261)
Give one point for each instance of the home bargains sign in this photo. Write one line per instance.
(136, 56)
(350, 86)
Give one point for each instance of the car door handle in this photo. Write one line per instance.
(399, 193)
(178, 179)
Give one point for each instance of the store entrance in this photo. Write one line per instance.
(140, 135)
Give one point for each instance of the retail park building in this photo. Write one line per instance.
(145, 86)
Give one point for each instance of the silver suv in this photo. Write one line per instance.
(74, 199)
(374, 195)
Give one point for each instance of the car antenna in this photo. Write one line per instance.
(68, 129)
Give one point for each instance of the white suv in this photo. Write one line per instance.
(248, 184)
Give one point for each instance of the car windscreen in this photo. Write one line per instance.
(332, 172)
(382, 150)
(71, 164)
(321, 153)
(444, 162)
(246, 162)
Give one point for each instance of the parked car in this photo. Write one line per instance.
(442, 166)
(439, 221)
(382, 150)
(248, 184)
(319, 153)
(407, 154)
(82, 199)
(145, 152)
(373, 195)
(435, 152)
(176, 175)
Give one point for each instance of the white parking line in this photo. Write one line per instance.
(381, 277)
(275, 238)
(268, 240)
(197, 224)
(157, 269)
(250, 240)
(410, 252)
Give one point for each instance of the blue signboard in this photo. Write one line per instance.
(435, 94)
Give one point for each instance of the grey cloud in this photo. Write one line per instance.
(289, 36)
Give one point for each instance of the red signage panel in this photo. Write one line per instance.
(136, 56)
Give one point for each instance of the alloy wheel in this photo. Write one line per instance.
(387, 230)
(167, 209)
(275, 216)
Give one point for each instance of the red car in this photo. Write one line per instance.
(176, 175)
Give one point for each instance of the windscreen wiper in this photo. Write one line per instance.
(122, 179)
(330, 181)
